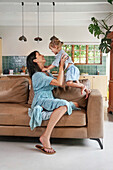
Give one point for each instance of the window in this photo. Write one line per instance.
(84, 54)
(68, 49)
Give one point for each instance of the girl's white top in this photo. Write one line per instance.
(56, 62)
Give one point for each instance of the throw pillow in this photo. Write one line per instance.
(14, 90)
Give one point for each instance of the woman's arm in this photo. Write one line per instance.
(60, 79)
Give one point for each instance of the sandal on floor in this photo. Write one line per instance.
(41, 148)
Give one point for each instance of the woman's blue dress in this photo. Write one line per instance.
(43, 98)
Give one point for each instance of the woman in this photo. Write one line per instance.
(43, 84)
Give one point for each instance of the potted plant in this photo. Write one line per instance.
(110, 1)
(101, 29)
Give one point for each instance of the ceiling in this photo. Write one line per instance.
(10, 1)
(74, 13)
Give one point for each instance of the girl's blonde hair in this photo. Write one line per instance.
(55, 42)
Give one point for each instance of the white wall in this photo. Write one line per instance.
(12, 46)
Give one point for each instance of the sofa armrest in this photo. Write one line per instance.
(95, 114)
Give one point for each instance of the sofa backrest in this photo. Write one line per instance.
(71, 94)
(67, 93)
(14, 90)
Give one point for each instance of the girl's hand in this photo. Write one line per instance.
(63, 59)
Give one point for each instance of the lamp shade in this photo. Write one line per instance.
(22, 38)
(38, 39)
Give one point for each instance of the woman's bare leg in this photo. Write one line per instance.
(76, 104)
(55, 117)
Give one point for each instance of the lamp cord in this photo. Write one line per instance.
(22, 18)
(53, 18)
(38, 19)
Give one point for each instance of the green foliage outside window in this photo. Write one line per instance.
(68, 49)
(84, 54)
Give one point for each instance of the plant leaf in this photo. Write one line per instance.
(107, 28)
(105, 45)
(91, 28)
(110, 1)
(94, 28)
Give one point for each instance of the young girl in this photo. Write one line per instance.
(72, 72)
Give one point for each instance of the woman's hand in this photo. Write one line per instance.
(60, 79)
(63, 59)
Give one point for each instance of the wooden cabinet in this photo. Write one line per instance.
(110, 108)
(0, 55)
(98, 82)
(89, 78)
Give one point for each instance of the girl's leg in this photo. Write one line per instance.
(79, 85)
(87, 92)
(76, 84)
(55, 117)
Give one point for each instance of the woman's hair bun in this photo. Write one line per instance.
(53, 38)
(55, 42)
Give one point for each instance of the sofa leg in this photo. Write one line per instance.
(99, 141)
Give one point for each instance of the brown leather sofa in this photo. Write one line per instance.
(15, 100)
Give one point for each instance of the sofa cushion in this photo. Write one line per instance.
(77, 118)
(67, 93)
(14, 114)
(17, 114)
(14, 90)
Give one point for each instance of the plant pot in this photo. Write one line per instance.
(110, 35)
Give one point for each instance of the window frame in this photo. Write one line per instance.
(73, 51)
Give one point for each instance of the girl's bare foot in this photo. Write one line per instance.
(88, 91)
(83, 89)
(46, 144)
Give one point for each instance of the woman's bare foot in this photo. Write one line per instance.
(76, 104)
(46, 144)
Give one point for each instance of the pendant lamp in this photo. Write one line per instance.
(38, 38)
(22, 38)
(53, 21)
